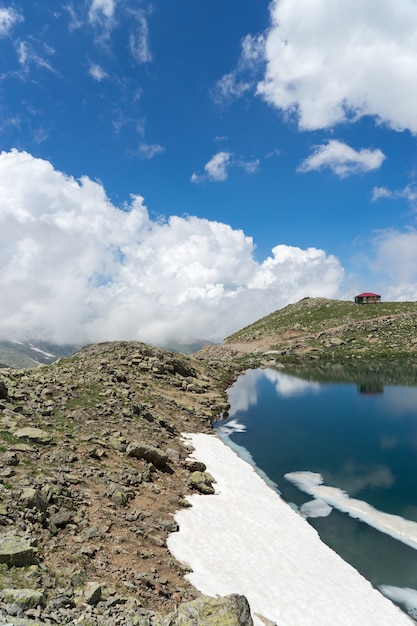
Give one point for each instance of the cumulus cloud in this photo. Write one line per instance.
(331, 62)
(217, 169)
(76, 268)
(9, 17)
(396, 255)
(342, 159)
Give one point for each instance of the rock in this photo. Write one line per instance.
(61, 519)
(202, 482)
(10, 458)
(142, 450)
(231, 610)
(195, 466)
(33, 499)
(34, 434)
(335, 341)
(23, 599)
(15, 551)
(92, 593)
(3, 390)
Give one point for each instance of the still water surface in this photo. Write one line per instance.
(360, 440)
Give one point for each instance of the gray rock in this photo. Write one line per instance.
(61, 519)
(32, 499)
(142, 450)
(3, 390)
(202, 482)
(34, 434)
(231, 610)
(15, 551)
(23, 599)
(92, 593)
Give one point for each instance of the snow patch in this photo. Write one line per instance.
(246, 539)
(35, 349)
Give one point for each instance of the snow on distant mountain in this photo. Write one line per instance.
(32, 353)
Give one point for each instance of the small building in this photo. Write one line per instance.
(367, 298)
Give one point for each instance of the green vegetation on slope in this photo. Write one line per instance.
(318, 314)
(329, 330)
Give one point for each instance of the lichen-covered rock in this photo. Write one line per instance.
(202, 482)
(15, 551)
(22, 599)
(231, 610)
(142, 450)
(34, 434)
(92, 593)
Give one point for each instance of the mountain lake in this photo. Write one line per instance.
(344, 454)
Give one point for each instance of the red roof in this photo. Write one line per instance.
(368, 294)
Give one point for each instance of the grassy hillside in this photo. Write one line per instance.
(320, 329)
(315, 315)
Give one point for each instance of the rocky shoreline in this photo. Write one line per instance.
(92, 470)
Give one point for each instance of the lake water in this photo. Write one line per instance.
(343, 454)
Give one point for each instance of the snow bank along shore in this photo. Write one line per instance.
(245, 539)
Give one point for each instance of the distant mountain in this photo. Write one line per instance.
(32, 353)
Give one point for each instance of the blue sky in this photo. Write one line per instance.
(179, 169)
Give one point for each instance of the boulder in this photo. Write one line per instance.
(142, 450)
(15, 551)
(92, 593)
(231, 610)
(34, 434)
(23, 599)
(32, 499)
(202, 482)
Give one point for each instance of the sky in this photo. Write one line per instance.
(177, 170)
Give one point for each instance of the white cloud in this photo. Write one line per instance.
(408, 193)
(342, 159)
(148, 150)
(97, 72)
(9, 17)
(102, 10)
(250, 167)
(234, 84)
(396, 255)
(74, 267)
(330, 62)
(217, 169)
(230, 87)
(28, 55)
(139, 39)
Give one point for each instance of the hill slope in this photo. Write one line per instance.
(92, 469)
(325, 329)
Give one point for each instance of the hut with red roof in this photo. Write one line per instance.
(367, 298)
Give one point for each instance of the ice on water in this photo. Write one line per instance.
(394, 525)
(315, 508)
